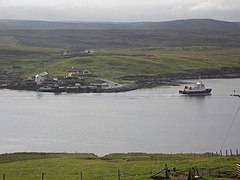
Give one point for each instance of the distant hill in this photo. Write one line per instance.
(88, 35)
(190, 24)
(47, 25)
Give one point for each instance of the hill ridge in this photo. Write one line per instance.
(183, 24)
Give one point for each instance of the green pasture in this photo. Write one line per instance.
(116, 63)
(132, 166)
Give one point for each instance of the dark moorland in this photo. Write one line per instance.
(82, 35)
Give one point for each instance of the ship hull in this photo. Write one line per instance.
(196, 93)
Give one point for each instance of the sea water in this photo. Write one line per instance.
(156, 120)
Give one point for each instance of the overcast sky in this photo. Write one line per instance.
(119, 10)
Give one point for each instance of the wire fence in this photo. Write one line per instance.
(123, 174)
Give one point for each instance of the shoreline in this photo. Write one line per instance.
(140, 82)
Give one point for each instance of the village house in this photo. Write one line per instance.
(73, 53)
(72, 73)
(45, 78)
(88, 52)
(99, 83)
(80, 72)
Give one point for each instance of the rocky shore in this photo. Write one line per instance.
(71, 85)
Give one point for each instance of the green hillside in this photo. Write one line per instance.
(116, 63)
(123, 52)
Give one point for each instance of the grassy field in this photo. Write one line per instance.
(132, 166)
(115, 63)
(24, 60)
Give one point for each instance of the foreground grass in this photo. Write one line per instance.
(132, 166)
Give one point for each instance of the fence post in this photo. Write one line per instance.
(237, 152)
(220, 152)
(81, 175)
(226, 152)
(151, 170)
(231, 152)
(42, 176)
(166, 172)
(119, 175)
(190, 174)
(4, 176)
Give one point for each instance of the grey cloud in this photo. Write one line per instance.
(119, 10)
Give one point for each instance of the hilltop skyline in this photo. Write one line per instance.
(119, 11)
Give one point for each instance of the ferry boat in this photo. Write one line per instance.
(197, 90)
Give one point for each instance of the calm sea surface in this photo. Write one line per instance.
(146, 120)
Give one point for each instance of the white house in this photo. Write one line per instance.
(40, 78)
